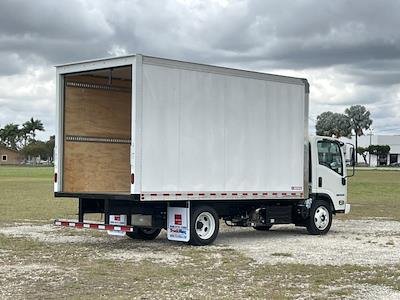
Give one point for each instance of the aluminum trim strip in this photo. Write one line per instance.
(222, 195)
(92, 139)
(96, 86)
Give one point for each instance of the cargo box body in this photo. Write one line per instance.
(154, 129)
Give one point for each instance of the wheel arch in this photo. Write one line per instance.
(326, 198)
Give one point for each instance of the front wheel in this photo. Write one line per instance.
(204, 226)
(144, 233)
(320, 219)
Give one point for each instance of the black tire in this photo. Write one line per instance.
(144, 233)
(263, 227)
(317, 223)
(204, 213)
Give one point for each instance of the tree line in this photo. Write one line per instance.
(23, 139)
(354, 120)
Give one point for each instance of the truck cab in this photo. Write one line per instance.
(329, 178)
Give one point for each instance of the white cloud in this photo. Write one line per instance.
(349, 51)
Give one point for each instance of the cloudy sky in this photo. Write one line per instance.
(349, 50)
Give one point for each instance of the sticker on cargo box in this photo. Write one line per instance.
(178, 224)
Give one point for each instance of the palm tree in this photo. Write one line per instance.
(360, 120)
(36, 125)
(29, 128)
(26, 131)
(10, 135)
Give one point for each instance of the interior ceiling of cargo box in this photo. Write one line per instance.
(120, 73)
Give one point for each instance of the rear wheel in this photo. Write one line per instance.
(204, 226)
(320, 220)
(263, 227)
(144, 233)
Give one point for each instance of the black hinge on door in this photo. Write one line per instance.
(319, 181)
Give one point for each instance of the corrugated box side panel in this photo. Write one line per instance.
(205, 132)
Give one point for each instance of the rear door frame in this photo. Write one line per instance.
(91, 65)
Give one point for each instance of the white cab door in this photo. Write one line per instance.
(331, 172)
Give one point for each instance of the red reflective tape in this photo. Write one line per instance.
(166, 194)
(293, 194)
(255, 194)
(132, 178)
(179, 194)
(265, 194)
(284, 194)
(213, 194)
(190, 194)
(153, 194)
(234, 194)
(223, 194)
(274, 194)
(55, 177)
(80, 225)
(126, 228)
(244, 194)
(202, 194)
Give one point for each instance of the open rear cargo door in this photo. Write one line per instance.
(97, 131)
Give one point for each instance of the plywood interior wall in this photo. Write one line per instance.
(97, 167)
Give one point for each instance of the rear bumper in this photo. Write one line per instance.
(130, 197)
(97, 226)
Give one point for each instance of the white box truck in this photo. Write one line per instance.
(158, 144)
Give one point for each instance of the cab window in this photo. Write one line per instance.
(329, 155)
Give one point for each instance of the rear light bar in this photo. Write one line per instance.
(73, 224)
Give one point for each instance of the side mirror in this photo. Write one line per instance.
(352, 159)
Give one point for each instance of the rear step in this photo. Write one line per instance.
(87, 225)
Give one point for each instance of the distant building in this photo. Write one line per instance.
(374, 160)
(9, 156)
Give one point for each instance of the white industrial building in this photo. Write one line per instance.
(373, 160)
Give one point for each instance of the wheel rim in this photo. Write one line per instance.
(321, 217)
(205, 225)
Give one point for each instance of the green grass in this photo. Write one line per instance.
(26, 195)
(374, 194)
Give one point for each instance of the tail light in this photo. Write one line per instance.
(55, 177)
(132, 178)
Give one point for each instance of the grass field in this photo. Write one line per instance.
(375, 194)
(82, 264)
(27, 194)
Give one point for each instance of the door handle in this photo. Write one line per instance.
(319, 181)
